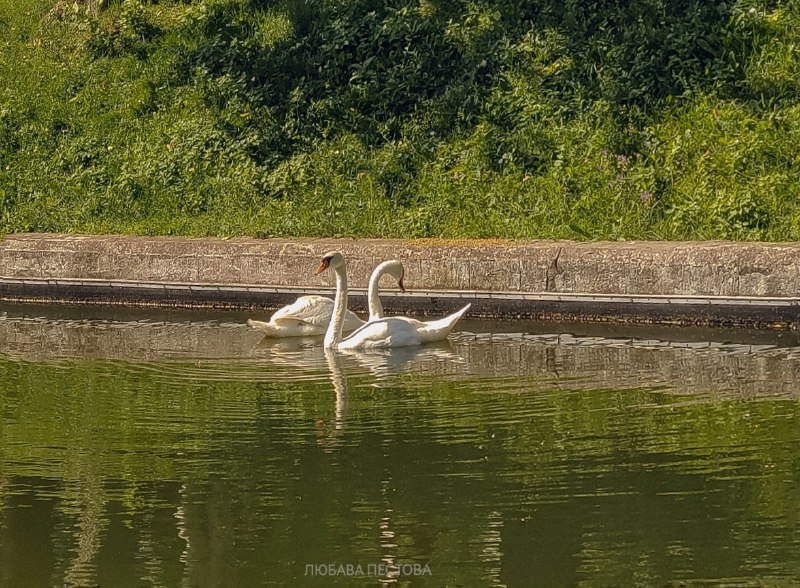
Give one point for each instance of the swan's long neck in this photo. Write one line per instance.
(334, 333)
(373, 300)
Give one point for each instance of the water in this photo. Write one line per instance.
(146, 449)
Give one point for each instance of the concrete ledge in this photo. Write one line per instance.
(711, 283)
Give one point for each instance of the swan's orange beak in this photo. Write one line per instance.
(400, 285)
(323, 265)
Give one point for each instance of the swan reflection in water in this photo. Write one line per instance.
(339, 381)
(435, 357)
(304, 355)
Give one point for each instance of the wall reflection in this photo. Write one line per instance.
(560, 359)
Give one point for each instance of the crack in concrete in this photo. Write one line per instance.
(552, 272)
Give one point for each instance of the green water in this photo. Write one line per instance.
(180, 450)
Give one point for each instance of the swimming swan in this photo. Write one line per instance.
(310, 315)
(398, 331)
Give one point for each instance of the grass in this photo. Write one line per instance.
(652, 120)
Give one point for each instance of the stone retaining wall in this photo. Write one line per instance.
(644, 268)
(704, 283)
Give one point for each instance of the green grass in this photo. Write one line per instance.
(540, 119)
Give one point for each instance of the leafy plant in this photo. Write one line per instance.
(457, 118)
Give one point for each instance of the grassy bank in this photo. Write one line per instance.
(650, 119)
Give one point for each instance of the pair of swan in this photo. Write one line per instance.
(378, 331)
(397, 331)
(311, 315)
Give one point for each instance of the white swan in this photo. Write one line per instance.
(310, 315)
(398, 331)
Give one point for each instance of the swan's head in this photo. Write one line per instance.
(332, 259)
(395, 269)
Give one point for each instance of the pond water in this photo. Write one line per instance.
(143, 448)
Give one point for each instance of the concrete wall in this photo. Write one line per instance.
(704, 283)
(646, 268)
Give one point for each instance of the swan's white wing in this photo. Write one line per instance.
(400, 331)
(315, 311)
(387, 332)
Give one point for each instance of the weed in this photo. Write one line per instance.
(586, 120)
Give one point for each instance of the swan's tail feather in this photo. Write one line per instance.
(286, 328)
(266, 328)
(439, 329)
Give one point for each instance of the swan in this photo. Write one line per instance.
(398, 331)
(310, 315)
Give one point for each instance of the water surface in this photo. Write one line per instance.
(179, 449)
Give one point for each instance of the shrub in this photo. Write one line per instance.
(588, 120)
